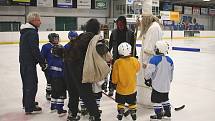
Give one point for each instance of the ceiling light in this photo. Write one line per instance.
(206, 0)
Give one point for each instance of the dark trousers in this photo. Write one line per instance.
(58, 88)
(76, 89)
(29, 77)
(89, 99)
(72, 87)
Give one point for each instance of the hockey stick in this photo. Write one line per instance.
(175, 108)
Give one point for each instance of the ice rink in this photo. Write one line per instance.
(193, 85)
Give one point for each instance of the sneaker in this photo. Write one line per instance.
(61, 113)
(36, 110)
(73, 118)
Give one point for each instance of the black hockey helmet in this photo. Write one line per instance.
(53, 37)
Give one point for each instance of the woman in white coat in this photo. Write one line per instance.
(151, 31)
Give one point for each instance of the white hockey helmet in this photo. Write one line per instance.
(162, 47)
(124, 49)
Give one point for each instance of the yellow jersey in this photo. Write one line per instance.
(124, 75)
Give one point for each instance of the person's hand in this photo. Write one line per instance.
(104, 86)
(148, 82)
(44, 67)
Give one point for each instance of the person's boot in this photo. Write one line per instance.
(120, 114)
(36, 110)
(36, 104)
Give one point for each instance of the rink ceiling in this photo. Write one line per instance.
(193, 85)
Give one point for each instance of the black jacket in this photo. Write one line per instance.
(117, 37)
(29, 52)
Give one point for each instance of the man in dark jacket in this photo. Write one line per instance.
(29, 57)
(119, 35)
(74, 63)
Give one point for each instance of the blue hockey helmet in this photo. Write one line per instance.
(72, 35)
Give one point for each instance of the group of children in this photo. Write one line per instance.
(158, 75)
(56, 85)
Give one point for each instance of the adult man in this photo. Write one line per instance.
(79, 72)
(119, 35)
(29, 57)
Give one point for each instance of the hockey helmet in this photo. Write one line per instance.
(72, 35)
(124, 49)
(53, 38)
(162, 47)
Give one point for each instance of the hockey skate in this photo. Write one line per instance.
(120, 114)
(61, 113)
(167, 113)
(133, 115)
(110, 93)
(92, 118)
(155, 117)
(84, 111)
(73, 118)
(126, 113)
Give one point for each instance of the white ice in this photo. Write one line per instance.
(193, 85)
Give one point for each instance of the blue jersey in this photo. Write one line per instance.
(55, 64)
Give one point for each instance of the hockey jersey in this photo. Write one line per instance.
(160, 70)
(55, 64)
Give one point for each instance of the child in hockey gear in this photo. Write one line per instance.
(124, 76)
(45, 48)
(160, 72)
(73, 100)
(55, 72)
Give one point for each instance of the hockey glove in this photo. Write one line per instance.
(148, 82)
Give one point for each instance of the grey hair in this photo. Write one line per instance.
(32, 16)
